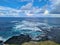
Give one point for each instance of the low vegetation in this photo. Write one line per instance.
(41, 43)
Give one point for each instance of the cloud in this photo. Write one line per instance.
(10, 12)
(27, 6)
(26, 10)
(7, 11)
(29, 10)
(55, 7)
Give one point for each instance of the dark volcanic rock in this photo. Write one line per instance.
(54, 34)
(18, 39)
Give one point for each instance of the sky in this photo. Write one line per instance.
(19, 3)
(29, 8)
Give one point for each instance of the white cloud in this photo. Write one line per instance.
(28, 10)
(55, 7)
(46, 12)
(7, 11)
(27, 6)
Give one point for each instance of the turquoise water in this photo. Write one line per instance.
(31, 33)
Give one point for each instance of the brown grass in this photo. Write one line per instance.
(41, 43)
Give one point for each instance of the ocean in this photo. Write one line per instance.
(8, 25)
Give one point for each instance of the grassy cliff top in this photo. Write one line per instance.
(41, 43)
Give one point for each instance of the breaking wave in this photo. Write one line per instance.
(31, 28)
(30, 25)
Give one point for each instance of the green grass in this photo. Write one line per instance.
(41, 43)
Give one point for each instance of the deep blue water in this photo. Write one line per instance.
(7, 24)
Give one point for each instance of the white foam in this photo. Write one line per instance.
(30, 25)
(2, 39)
